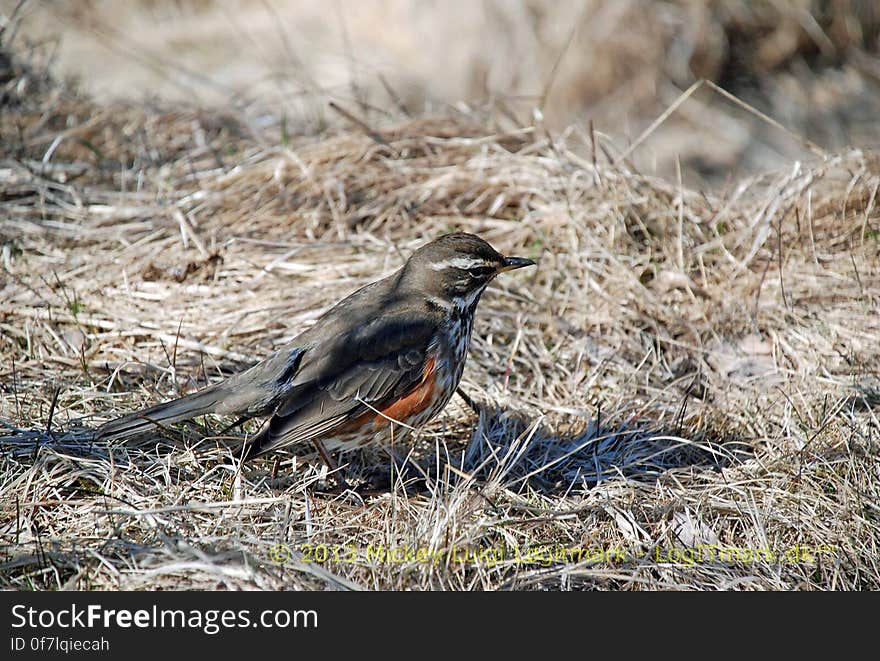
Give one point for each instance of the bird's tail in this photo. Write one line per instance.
(184, 408)
(256, 445)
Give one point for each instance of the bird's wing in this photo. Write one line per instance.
(349, 375)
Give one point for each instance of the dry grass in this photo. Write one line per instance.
(683, 371)
(811, 64)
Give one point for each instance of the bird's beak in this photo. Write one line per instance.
(511, 263)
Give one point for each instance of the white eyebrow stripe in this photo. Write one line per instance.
(460, 263)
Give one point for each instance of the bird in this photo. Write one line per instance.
(384, 360)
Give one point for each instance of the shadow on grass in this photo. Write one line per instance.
(517, 450)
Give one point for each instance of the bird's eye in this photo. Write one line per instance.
(480, 271)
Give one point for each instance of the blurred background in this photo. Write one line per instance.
(613, 65)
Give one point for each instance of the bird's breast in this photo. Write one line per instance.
(454, 348)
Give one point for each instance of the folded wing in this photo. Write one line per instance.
(356, 374)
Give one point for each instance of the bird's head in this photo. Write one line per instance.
(458, 266)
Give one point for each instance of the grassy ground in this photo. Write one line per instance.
(679, 396)
(810, 64)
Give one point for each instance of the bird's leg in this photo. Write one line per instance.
(467, 400)
(332, 466)
(401, 462)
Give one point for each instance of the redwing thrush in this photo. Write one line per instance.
(393, 351)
